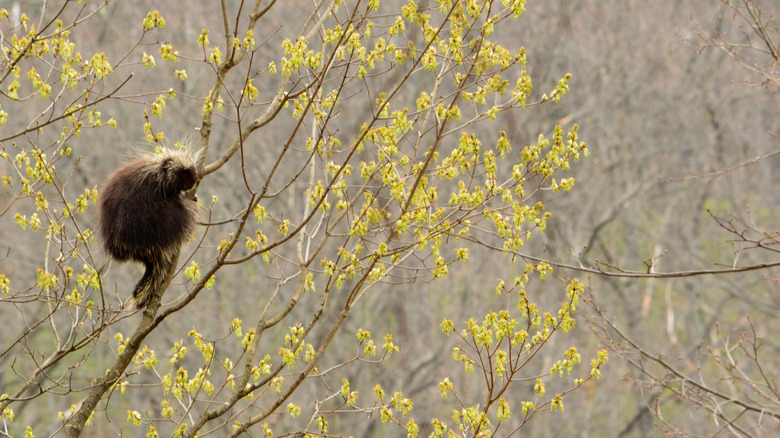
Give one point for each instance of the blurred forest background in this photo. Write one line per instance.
(677, 104)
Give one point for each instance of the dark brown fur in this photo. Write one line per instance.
(144, 217)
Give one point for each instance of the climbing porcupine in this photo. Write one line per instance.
(144, 216)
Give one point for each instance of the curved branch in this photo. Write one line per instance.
(618, 272)
(148, 323)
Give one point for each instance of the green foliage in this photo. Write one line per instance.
(403, 192)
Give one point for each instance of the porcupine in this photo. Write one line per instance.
(144, 216)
